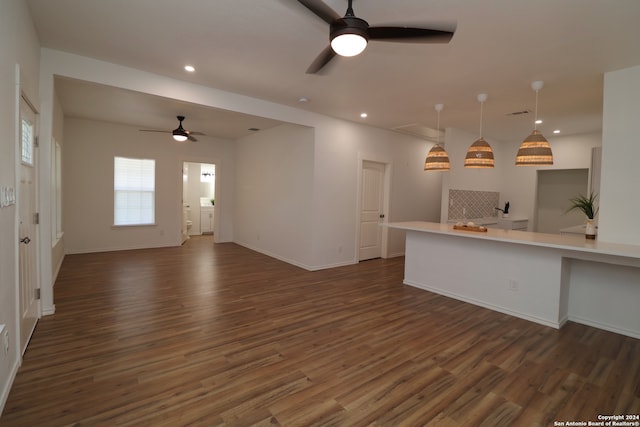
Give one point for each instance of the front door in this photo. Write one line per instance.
(27, 233)
(371, 210)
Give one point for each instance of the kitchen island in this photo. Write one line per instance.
(544, 278)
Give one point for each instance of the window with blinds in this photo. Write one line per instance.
(134, 191)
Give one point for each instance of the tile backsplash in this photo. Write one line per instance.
(472, 204)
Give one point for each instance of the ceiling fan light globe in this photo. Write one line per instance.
(349, 36)
(180, 137)
(349, 44)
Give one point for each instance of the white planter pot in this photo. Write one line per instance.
(590, 229)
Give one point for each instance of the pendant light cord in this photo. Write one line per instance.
(535, 121)
(438, 129)
(481, 105)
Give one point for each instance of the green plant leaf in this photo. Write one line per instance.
(586, 205)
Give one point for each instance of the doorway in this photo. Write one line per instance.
(198, 199)
(372, 207)
(27, 229)
(555, 188)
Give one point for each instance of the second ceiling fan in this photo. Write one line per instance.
(349, 34)
(179, 134)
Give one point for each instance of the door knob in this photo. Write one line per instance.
(381, 215)
(25, 240)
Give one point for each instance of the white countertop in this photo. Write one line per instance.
(556, 241)
(488, 220)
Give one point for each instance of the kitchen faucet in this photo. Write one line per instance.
(504, 211)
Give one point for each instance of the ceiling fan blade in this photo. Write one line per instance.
(321, 10)
(192, 138)
(197, 133)
(154, 130)
(409, 35)
(321, 60)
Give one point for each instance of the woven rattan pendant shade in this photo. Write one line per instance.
(437, 158)
(534, 151)
(479, 155)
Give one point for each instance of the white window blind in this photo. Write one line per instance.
(134, 191)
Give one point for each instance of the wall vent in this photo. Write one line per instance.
(518, 113)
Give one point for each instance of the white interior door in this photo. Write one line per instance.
(371, 210)
(27, 232)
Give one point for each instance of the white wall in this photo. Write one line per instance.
(340, 148)
(57, 247)
(620, 201)
(88, 152)
(274, 193)
(19, 46)
(297, 189)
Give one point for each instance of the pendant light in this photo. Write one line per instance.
(437, 159)
(535, 149)
(479, 154)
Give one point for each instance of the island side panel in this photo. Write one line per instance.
(519, 280)
(605, 296)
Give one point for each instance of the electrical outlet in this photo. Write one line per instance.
(513, 285)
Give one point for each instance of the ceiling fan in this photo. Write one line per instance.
(180, 134)
(349, 34)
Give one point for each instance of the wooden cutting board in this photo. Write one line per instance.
(470, 228)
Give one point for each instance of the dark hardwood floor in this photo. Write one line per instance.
(212, 335)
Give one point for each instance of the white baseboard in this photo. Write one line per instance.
(604, 326)
(545, 322)
(395, 255)
(7, 386)
(293, 262)
(49, 311)
(56, 271)
(118, 248)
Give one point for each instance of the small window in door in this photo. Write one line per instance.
(27, 143)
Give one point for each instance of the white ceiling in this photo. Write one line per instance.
(262, 49)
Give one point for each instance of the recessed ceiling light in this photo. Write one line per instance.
(556, 131)
(189, 68)
(363, 115)
(538, 121)
(303, 99)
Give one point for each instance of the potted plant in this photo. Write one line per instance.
(586, 205)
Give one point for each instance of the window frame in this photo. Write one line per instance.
(140, 187)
